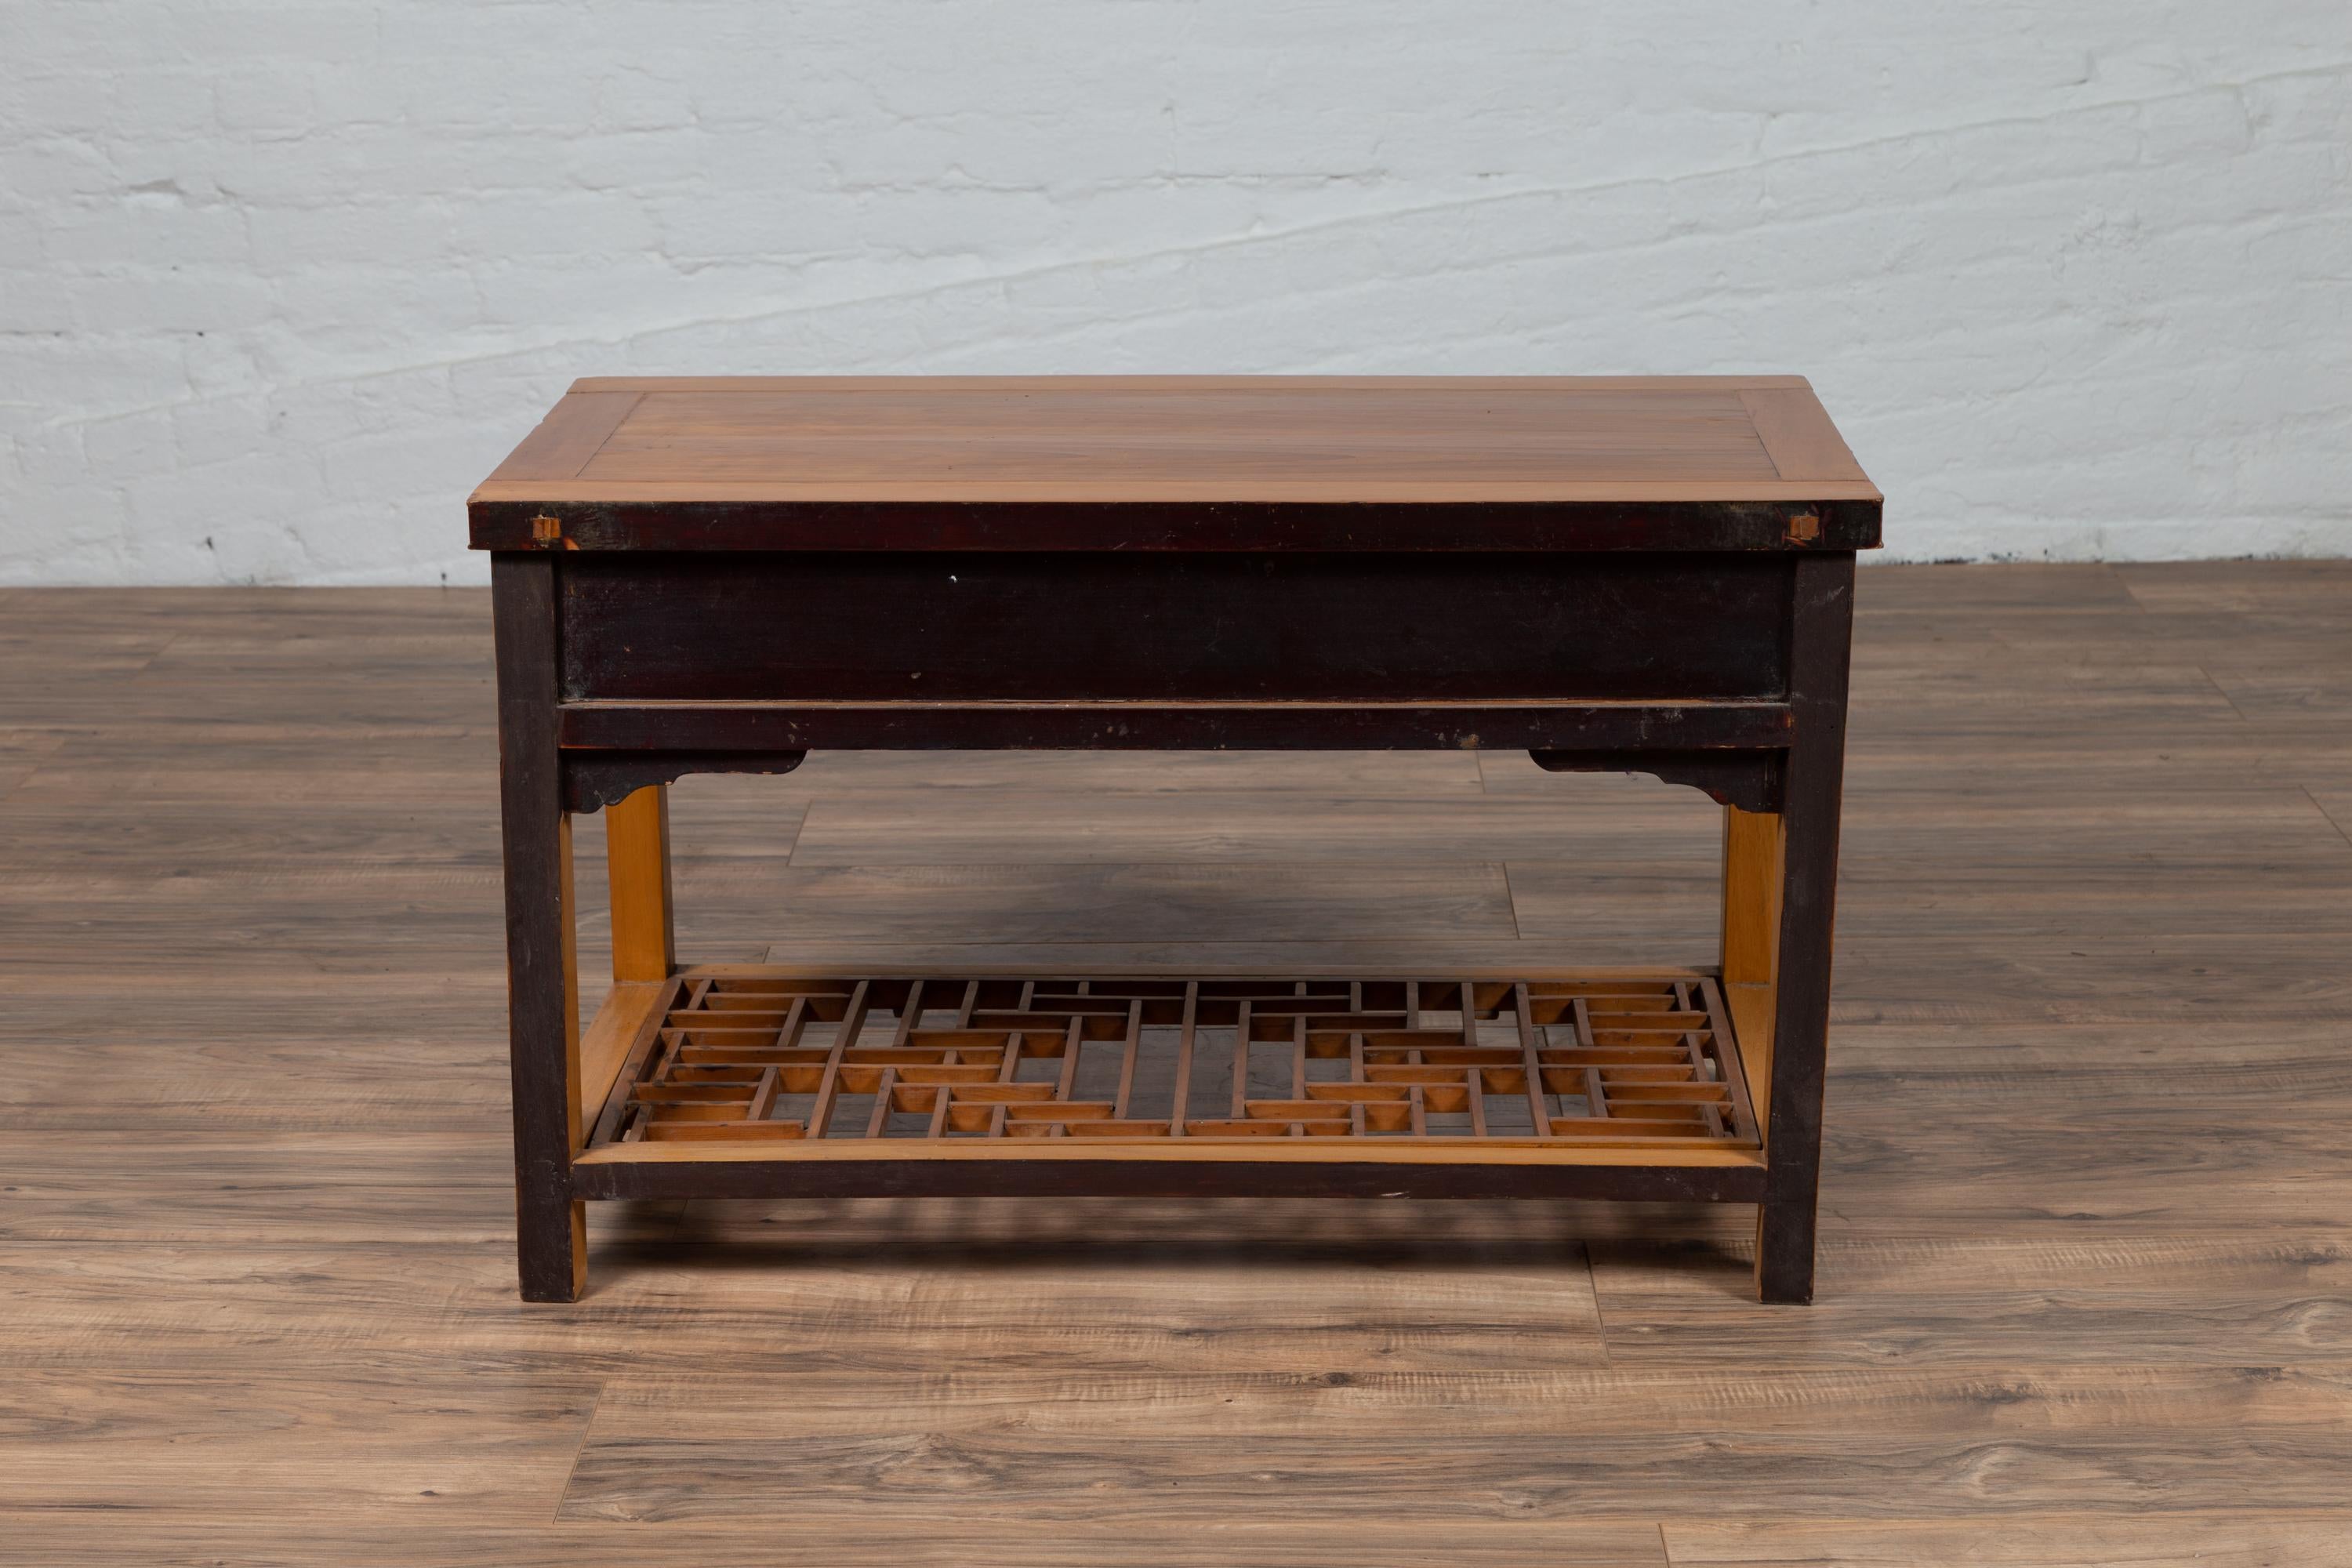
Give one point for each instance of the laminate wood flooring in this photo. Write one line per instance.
(2085, 1287)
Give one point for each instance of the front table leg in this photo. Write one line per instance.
(1819, 657)
(542, 982)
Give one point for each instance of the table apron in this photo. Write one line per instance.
(1354, 629)
(692, 726)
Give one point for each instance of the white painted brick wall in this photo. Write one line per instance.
(279, 281)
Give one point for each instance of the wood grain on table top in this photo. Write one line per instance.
(1177, 441)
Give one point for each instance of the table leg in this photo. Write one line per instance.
(636, 865)
(542, 982)
(1751, 938)
(1819, 657)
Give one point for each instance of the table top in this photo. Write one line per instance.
(1181, 463)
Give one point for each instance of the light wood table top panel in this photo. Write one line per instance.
(1182, 462)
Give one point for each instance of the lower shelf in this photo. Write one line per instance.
(770, 1063)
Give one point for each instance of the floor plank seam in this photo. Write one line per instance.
(2131, 596)
(587, 1428)
(800, 829)
(1599, 1316)
(169, 643)
(2325, 813)
(2223, 693)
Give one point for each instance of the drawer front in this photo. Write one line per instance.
(1300, 627)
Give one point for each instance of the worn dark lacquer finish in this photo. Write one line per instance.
(682, 727)
(1822, 619)
(595, 779)
(1749, 779)
(1225, 626)
(542, 985)
(723, 575)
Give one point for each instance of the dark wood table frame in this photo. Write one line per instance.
(696, 576)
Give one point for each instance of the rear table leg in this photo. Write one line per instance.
(636, 865)
(1752, 939)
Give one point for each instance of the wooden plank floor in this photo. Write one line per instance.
(2086, 1273)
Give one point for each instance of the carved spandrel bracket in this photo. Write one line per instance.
(594, 779)
(1747, 780)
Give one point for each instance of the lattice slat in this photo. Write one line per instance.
(1640, 1060)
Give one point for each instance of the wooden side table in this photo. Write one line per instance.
(722, 575)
